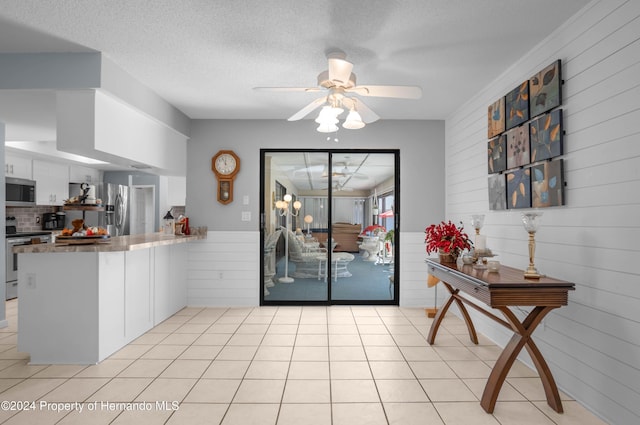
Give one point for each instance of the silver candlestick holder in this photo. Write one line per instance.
(531, 221)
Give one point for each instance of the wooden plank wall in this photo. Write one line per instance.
(593, 345)
(224, 270)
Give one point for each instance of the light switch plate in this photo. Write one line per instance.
(246, 215)
(245, 200)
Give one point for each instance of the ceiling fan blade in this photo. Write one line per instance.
(402, 92)
(368, 116)
(339, 70)
(289, 89)
(307, 109)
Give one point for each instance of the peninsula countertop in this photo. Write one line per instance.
(112, 244)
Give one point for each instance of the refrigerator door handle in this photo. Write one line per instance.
(118, 214)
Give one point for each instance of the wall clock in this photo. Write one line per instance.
(225, 164)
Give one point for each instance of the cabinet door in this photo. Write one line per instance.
(17, 166)
(81, 174)
(52, 182)
(138, 298)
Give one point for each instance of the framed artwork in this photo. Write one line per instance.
(547, 185)
(546, 89)
(517, 105)
(497, 192)
(496, 118)
(497, 154)
(518, 153)
(519, 188)
(546, 136)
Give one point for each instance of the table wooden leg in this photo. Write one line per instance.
(443, 310)
(435, 325)
(521, 338)
(467, 319)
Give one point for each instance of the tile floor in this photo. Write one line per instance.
(279, 365)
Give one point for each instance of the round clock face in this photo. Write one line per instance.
(225, 164)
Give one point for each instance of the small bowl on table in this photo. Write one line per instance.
(493, 266)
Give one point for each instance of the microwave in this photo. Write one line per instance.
(20, 192)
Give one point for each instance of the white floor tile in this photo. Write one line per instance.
(313, 365)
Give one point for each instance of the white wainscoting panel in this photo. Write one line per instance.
(224, 270)
(413, 273)
(593, 344)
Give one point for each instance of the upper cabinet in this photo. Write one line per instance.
(52, 182)
(18, 167)
(80, 174)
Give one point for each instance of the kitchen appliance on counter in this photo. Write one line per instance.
(15, 238)
(115, 200)
(54, 220)
(20, 192)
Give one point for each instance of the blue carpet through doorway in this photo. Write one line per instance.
(369, 281)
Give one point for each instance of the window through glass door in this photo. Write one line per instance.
(328, 226)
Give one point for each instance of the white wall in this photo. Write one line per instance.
(593, 344)
(421, 145)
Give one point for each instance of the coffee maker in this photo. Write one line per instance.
(53, 220)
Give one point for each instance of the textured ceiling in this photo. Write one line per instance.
(204, 56)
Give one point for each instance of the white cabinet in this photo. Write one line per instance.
(52, 182)
(170, 285)
(18, 167)
(138, 293)
(81, 174)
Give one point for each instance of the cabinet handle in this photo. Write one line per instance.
(11, 168)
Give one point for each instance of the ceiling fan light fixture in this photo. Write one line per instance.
(327, 116)
(327, 128)
(353, 121)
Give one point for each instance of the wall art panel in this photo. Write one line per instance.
(546, 136)
(497, 154)
(519, 188)
(545, 89)
(518, 153)
(517, 105)
(497, 192)
(496, 118)
(547, 184)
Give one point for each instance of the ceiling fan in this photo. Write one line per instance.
(344, 171)
(341, 92)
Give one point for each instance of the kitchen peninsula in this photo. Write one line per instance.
(79, 303)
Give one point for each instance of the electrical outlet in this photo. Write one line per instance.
(245, 200)
(31, 280)
(220, 276)
(246, 215)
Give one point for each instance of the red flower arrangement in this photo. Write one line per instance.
(446, 238)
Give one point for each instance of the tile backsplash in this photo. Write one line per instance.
(28, 219)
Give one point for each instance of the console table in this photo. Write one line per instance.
(502, 290)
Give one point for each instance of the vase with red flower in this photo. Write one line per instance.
(447, 239)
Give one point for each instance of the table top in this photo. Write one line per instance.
(506, 277)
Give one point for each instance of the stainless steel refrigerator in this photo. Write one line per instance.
(115, 217)
(116, 201)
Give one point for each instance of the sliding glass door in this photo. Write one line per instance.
(328, 223)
